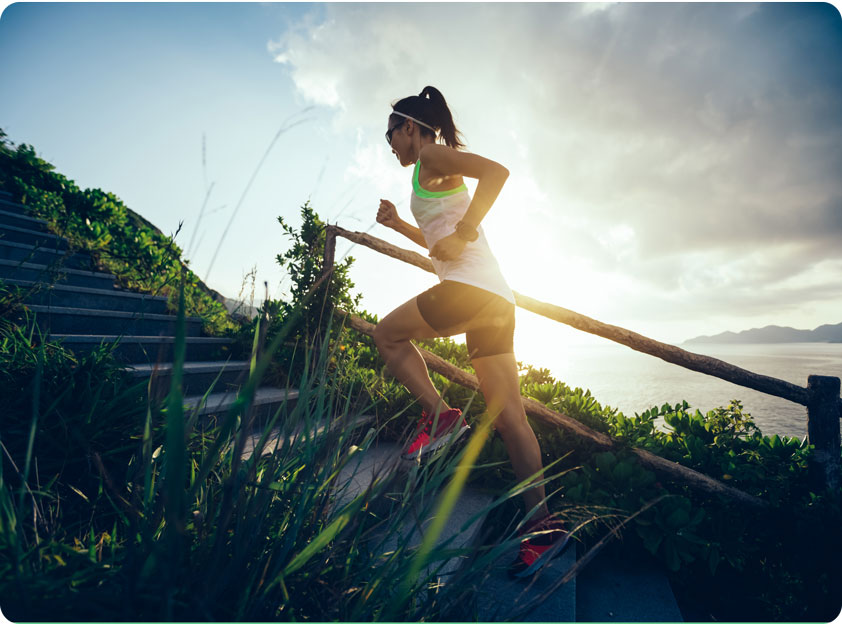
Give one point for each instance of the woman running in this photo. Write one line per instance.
(472, 298)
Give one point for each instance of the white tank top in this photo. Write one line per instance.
(437, 214)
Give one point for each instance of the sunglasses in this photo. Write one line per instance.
(390, 131)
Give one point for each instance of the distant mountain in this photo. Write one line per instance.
(238, 308)
(773, 334)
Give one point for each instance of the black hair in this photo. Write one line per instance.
(430, 107)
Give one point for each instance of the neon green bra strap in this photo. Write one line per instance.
(422, 192)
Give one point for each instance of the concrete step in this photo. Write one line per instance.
(61, 320)
(21, 252)
(21, 220)
(10, 205)
(615, 587)
(197, 377)
(91, 298)
(29, 236)
(277, 438)
(266, 402)
(500, 598)
(147, 349)
(381, 462)
(470, 503)
(378, 462)
(13, 269)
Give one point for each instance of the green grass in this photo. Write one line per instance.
(181, 525)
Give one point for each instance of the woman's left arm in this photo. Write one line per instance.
(490, 176)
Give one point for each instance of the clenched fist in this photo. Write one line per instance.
(387, 214)
(448, 248)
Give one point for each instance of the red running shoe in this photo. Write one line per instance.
(451, 424)
(538, 551)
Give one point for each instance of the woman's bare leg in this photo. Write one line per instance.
(392, 337)
(498, 380)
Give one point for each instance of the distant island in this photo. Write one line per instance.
(773, 334)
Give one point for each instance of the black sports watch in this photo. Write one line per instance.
(466, 232)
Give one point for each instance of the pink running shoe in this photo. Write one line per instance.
(451, 424)
(538, 551)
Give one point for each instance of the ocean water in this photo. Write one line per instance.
(633, 382)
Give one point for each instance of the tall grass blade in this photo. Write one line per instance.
(174, 449)
(324, 538)
(36, 407)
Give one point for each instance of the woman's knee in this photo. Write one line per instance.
(382, 336)
(401, 325)
(510, 422)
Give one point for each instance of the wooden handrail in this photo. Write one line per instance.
(824, 405)
(675, 355)
(665, 468)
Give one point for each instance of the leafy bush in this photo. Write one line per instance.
(315, 298)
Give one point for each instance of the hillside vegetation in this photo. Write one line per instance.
(120, 240)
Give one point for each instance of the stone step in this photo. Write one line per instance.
(277, 438)
(378, 462)
(146, 349)
(21, 252)
(197, 377)
(29, 236)
(8, 204)
(13, 269)
(266, 402)
(469, 505)
(61, 320)
(499, 598)
(383, 461)
(21, 220)
(90, 298)
(616, 587)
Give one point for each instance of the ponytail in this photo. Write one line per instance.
(431, 108)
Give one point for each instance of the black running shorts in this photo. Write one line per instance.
(449, 307)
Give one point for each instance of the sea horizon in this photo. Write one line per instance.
(633, 382)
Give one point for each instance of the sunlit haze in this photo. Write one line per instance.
(674, 168)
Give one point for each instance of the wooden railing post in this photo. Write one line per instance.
(823, 431)
(330, 249)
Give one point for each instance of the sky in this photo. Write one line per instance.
(674, 168)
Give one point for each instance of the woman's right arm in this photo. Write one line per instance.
(387, 215)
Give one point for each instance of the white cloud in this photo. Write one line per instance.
(664, 146)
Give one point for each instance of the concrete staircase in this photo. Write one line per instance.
(610, 588)
(82, 308)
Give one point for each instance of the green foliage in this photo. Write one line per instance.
(119, 240)
(316, 298)
(60, 401)
(303, 262)
(723, 443)
(196, 531)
